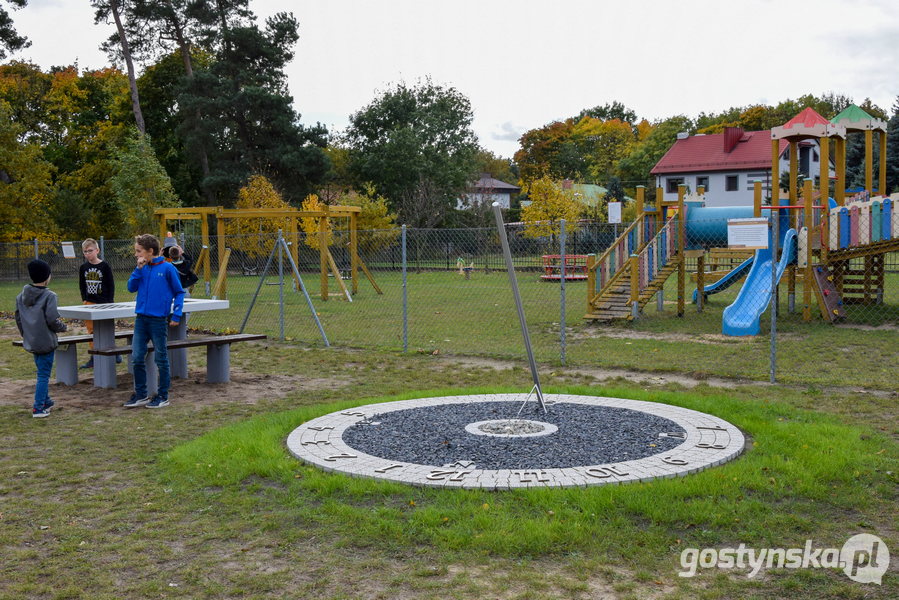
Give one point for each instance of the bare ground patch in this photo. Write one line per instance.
(244, 387)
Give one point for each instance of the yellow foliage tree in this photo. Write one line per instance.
(255, 236)
(310, 225)
(26, 186)
(376, 225)
(549, 205)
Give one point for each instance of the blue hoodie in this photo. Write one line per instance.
(157, 284)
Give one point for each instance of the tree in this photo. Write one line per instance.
(497, 167)
(376, 225)
(541, 150)
(10, 40)
(643, 156)
(549, 205)
(26, 187)
(255, 236)
(311, 225)
(113, 8)
(608, 112)
(893, 150)
(140, 185)
(416, 145)
(247, 114)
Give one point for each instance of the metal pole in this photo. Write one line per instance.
(37, 253)
(774, 291)
(524, 326)
(258, 287)
(102, 248)
(562, 289)
(296, 274)
(281, 284)
(405, 298)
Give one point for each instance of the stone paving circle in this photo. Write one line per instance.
(479, 441)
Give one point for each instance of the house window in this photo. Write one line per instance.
(815, 156)
(671, 184)
(732, 183)
(702, 182)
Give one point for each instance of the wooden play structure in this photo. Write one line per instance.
(841, 242)
(221, 215)
(575, 267)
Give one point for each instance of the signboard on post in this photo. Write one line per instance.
(749, 234)
(614, 212)
(68, 250)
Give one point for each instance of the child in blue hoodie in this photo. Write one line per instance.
(160, 303)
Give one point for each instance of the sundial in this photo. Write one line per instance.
(491, 442)
(480, 441)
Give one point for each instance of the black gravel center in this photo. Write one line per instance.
(587, 435)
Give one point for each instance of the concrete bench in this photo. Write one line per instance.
(218, 355)
(66, 359)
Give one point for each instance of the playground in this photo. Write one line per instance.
(203, 500)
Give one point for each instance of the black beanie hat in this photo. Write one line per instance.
(39, 271)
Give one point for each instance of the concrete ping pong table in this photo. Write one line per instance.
(104, 317)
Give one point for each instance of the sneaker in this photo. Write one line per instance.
(118, 359)
(158, 402)
(89, 364)
(40, 414)
(135, 401)
(49, 404)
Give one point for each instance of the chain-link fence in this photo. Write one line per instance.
(447, 290)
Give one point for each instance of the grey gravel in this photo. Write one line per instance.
(587, 435)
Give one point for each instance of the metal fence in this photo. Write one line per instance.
(447, 291)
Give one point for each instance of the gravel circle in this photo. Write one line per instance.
(587, 435)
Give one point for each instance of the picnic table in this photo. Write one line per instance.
(104, 317)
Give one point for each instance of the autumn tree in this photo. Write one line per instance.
(643, 156)
(550, 204)
(416, 145)
(10, 40)
(311, 225)
(26, 186)
(376, 224)
(255, 236)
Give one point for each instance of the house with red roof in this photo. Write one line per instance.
(728, 165)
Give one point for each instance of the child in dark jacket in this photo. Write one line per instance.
(37, 318)
(160, 303)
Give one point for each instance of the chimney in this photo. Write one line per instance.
(732, 136)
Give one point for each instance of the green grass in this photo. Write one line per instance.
(794, 460)
(448, 314)
(202, 500)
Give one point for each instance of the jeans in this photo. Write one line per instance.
(147, 329)
(44, 364)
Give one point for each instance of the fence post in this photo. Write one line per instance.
(37, 253)
(562, 320)
(591, 281)
(405, 297)
(775, 297)
(281, 282)
(102, 248)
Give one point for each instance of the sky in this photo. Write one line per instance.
(526, 63)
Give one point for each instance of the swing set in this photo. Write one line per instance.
(223, 215)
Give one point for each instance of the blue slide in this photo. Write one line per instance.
(743, 316)
(726, 281)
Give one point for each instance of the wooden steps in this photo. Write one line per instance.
(613, 303)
